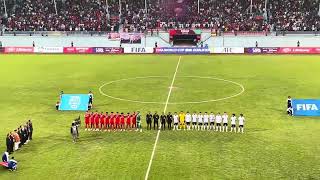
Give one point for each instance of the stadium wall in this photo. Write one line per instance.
(219, 41)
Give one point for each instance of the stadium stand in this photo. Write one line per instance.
(135, 15)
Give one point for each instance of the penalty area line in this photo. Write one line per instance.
(164, 110)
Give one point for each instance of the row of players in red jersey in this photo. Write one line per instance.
(113, 121)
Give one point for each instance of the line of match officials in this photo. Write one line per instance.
(20, 136)
(186, 121)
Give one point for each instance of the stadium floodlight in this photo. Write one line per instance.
(107, 10)
(55, 6)
(5, 8)
(198, 6)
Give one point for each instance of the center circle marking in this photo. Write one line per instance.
(187, 102)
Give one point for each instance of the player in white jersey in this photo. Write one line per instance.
(211, 119)
(200, 121)
(218, 122)
(241, 123)
(225, 122)
(205, 121)
(233, 123)
(194, 120)
(175, 121)
(188, 120)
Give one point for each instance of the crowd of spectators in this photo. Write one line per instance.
(20, 136)
(135, 15)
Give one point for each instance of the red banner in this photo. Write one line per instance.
(22, 50)
(77, 50)
(299, 50)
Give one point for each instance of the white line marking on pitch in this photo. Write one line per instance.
(164, 110)
(188, 102)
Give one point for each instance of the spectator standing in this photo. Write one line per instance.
(33, 44)
(298, 44)
(257, 44)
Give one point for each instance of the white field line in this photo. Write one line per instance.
(164, 110)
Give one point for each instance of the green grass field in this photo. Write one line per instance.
(274, 146)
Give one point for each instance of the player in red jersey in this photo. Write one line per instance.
(122, 121)
(112, 121)
(117, 120)
(128, 121)
(87, 120)
(134, 120)
(107, 121)
(92, 121)
(102, 120)
(96, 121)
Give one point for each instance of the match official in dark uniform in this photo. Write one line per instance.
(169, 120)
(155, 121)
(163, 119)
(149, 120)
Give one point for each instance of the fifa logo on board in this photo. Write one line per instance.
(307, 107)
(74, 102)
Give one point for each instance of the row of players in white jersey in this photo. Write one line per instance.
(209, 122)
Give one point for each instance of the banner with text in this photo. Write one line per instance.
(306, 107)
(299, 50)
(131, 38)
(262, 50)
(138, 50)
(77, 50)
(107, 50)
(74, 102)
(18, 50)
(48, 50)
(228, 50)
(181, 50)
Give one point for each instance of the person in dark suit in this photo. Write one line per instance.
(30, 129)
(8, 142)
(155, 121)
(149, 120)
(163, 119)
(11, 143)
(169, 120)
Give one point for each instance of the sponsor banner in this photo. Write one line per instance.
(262, 50)
(107, 50)
(114, 36)
(181, 50)
(306, 107)
(138, 50)
(74, 102)
(48, 50)
(23, 50)
(131, 38)
(299, 50)
(228, 50)
(1, 49)
(77, 50)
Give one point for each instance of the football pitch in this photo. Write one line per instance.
(274, 146)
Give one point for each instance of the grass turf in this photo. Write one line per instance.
(274, 146)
